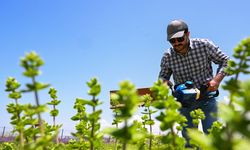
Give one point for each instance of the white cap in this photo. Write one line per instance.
(178, 34)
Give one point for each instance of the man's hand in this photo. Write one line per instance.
(213, 85)
(215, 82)
(169, 83)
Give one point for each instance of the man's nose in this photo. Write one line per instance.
(175, 40)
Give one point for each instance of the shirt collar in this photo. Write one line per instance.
(191, 44)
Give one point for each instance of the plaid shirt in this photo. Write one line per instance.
(196, 65)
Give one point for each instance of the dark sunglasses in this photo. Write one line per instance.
(180, 39)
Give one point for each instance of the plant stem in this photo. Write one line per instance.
(37, 104)
(21, 129)
(124, 146)
(150, 130)
(54, 118)
(116, 125)
(172, 132)
(54, 124)
(93, 127)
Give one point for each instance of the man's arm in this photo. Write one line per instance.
(165, 72)
(215, 82)
(218, 57)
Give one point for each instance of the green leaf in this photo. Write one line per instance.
(152, 111)
(54, 102)
(150, 122)
(226, 112)
(15, 95)
(161, 116)
(88, 102)
(95, 115)
(75, 118)
(54, 112)
(12, 84)
(95, 87)
(31, 73)
(159, 104)
(200, 139)
(52, 92)
(38, 86)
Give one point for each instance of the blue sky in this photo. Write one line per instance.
(111, 40)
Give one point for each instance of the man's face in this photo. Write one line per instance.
(180, 44)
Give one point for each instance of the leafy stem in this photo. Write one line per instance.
(11, 86)
(148, 116)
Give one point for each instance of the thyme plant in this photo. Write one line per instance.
(82, 127)
(147, 117)
(89, 125)
(16, 109)
(33, 133)
(31, 64)
(128, 96)
(116, 119)
(196, 116)
(54, 112)
(169, 116)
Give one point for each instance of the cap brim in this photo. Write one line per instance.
(177, 35)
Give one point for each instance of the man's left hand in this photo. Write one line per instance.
(213, 85)
(215, 82)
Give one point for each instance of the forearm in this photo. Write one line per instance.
(219, 77)
(215, 82)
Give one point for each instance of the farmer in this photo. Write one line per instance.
(191, 60)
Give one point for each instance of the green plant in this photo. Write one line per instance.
(7, 146)
(54, 102)
(15, 109)
(128, 96)
(147, 116)
(197, 115)
(233, 133)
(54, 112)
(33, 133)
(169, 117)
(94, 117)
(116, 119)
(89, 125)
(31, 64)
(82, 128)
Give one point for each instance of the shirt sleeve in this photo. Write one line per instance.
(217, 57)
(165, 72)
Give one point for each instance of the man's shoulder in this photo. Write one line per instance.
(169, 52)
(199, 42)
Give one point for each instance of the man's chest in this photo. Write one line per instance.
(193, 62)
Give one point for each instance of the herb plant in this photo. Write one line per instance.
(33, 133)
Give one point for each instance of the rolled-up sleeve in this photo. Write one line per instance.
(165, 72)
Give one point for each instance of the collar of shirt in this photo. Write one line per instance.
(189, 48)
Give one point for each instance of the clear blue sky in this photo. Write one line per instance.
(110, 39)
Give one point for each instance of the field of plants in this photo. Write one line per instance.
(32, 132)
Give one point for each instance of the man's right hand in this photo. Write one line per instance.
(169, 83)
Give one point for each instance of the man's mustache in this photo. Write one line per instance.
(178, 45)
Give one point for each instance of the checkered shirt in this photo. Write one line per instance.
(196, 65)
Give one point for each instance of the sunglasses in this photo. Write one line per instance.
(180, 39)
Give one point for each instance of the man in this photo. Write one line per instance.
(191, 60)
